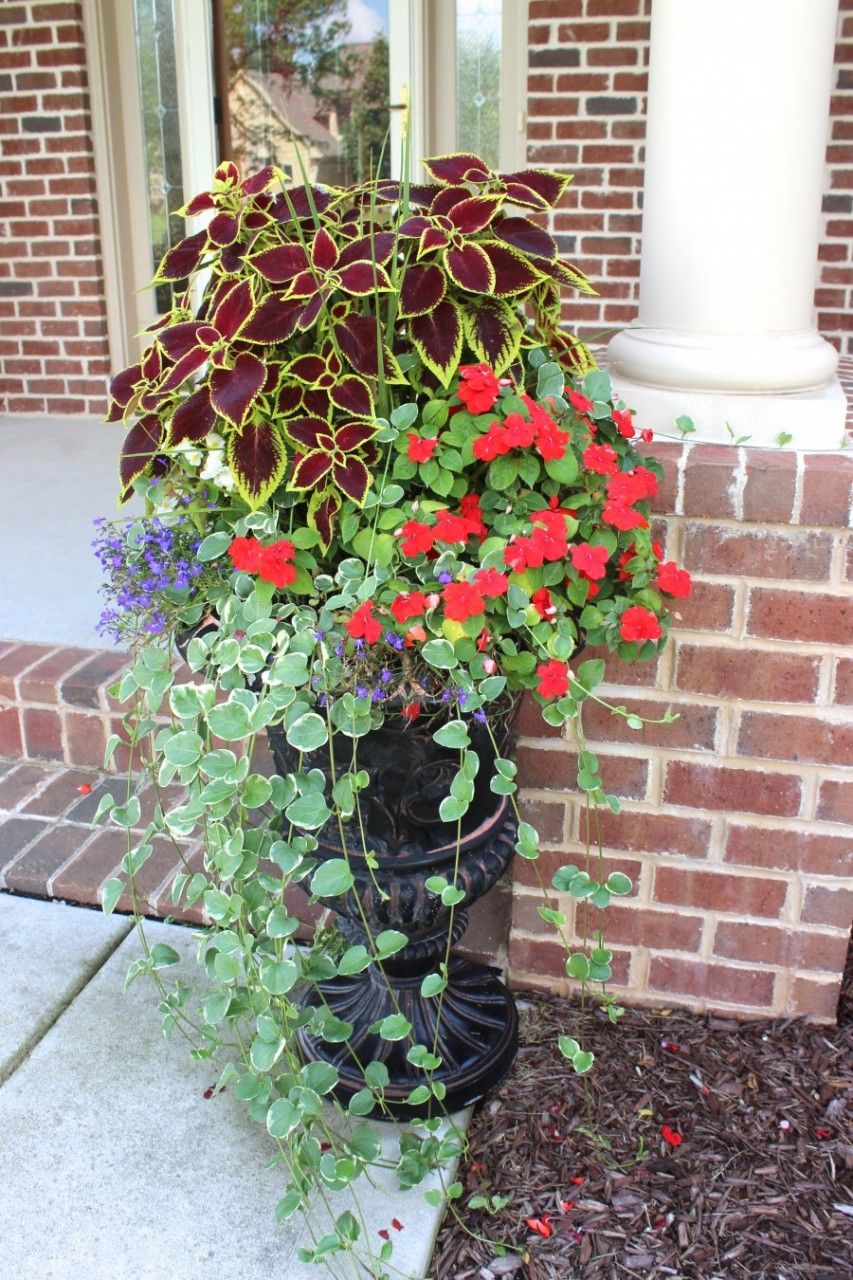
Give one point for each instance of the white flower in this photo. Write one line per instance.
(214, 463)
(224, 479)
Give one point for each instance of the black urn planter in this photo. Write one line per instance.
(474, 1024)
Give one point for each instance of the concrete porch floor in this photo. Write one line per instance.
(56, 475)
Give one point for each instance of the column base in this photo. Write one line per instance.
(814, 420)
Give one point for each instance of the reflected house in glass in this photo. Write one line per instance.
(271, 120)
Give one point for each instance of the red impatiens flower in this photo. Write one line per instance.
(590, 561)
(632, 486)
(670, 1136)
(483, 641)
(518, 433)
(541, 1225)
(638, 624)
(469, 507)
(415, 635)
(419, 448)
(451, 528)
(623, 422)
(275, 563)
(491, 582)
(491, 445)
(409, 604)
(622, 517)
(416, 537)
(463, 600)
(412, 710)
(541, 601)
(478, 387)
(647, 436)
(396, 1224)
(672, 580)
(246, 554)
(600, 458)
(363, 626)
(551, 442)
(553, 679)
(579, 402)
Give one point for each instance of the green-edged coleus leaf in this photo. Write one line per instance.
(358, 340)
(353, 395)
(194, 419)
(222, 230)
(493, 331)
(472, 215)
(281, 264)
(141, 446)
(183, 258)
(275, 320)
(422, 289)
(360, 279)
(452, 170)
(563, 273)
(352, 478)
(322, 510)
(234, 309)
(513, 272)
(124, 390)
(526, 237)
(233, 391)
(437, 338)
(257, 458)
(470, 268)
(536, 188)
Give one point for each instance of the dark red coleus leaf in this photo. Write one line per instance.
(308, 315)
(307, 368)
(234, 309)
(194, 419)
(310, 469)
(257, 181)
(362, 278)
(353, 435)
(122, 390)
(525, 236)
(353, 395)
(184, 368)
(352, 478)
(141, 445)
(446, 198)
(312, 433)
(454, 169)
(493, 332)
(438, 339)
(474, 214)
(432, 240)
(223, 229)
(178, 340)
(202, 203)
(275, 320)
(280, 264)
(415, 226)
(231, 258)
(470, 268)
(322, 509)
(537, 188)
(513, 272)
(152, 363)
(227, 173)
(233, 391)
(324, 251)
(358, 341)
(375, 248)
(257, 458)
(422, 289)
(183, 258)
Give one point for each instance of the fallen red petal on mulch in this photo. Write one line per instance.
(761, 1190)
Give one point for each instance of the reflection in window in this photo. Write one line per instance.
(478, 78)
(155, 50)
(309, 79)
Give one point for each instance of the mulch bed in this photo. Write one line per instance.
(759, 1185)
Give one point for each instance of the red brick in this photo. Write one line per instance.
(744, 673)
(827, 483)
(164, 862)
(617, 672)
(530, 723)
(655, 833)
(719, 891)
(15, 834)
(62, 791)
(538, 873)
(623, 775)
(32, 872)
(794, 615)
(812, 852)
(709, 607)
(87, 739)
(81, 879)
(785, 737)
(761, 554)
(40, 684)
(709, 481)
(771, 945)
(828, 905)
(42, 734)
(694, 729)
(844, 681)
(15, 661)
(11, 742)
(543, 959)
(705, 786)
(835, 801)
(639, 927)
(82, 689)
(547, 817)
(719, 984)
(819, 999)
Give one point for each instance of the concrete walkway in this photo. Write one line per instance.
(113, 1165)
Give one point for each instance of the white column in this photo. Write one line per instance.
(738, 114)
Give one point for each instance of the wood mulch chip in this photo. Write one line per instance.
(759, 1185)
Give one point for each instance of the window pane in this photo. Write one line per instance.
(158, 92)
(478, 78)
(308, 78)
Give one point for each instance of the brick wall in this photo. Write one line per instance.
(736, 822)
(53, 344)
(588, 76)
